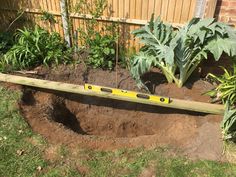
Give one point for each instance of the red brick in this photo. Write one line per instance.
(224, 3)
(232, 11)
(232, 4)
(221, 10)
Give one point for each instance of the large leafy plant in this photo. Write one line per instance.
(35, 47)
(178, 52)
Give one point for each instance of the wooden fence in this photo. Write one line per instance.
(131, 13)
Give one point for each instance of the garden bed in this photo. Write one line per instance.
(97, 123)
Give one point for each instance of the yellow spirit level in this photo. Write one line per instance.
(126, 93)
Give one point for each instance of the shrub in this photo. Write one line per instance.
(35, 47)
(101, 43)
(102, 51)
(178, 52)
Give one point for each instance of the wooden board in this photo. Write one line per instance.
(79, 89)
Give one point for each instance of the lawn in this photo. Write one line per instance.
(25, 153)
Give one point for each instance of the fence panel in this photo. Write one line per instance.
(132, 13)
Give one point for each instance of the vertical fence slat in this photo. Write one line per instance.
(157, 9)
(178, 9)
(171, 10)
(144, 9)
(185, 11)
(210, 8)
(151, 7)
(192, 9)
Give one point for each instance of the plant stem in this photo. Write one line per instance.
(169, 72)
(15, 20)
(117, 57)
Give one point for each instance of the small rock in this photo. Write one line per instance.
(20, 152)
(39, 168)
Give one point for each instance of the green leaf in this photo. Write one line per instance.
(141, 64)
(229, 123)
(106, 51)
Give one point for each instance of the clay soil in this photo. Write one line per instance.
(91, 122)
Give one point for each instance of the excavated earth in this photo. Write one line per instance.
(97, 123)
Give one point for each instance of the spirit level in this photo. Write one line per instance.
(126, 93)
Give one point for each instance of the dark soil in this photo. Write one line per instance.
(91, 122)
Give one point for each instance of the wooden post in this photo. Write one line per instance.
(205, 8)
(200, 8)
(79, 89)
(210, 9)
(65, 21)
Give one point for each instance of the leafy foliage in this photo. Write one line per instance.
(46, 16)
(228, 124)
(99, 42)
(102, 52)
(182, 50)
(126, 56)
(35, 47)
(226, 89)
(141, 64)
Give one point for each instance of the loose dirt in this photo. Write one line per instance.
(97, 123)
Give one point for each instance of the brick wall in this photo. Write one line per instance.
(226, 11)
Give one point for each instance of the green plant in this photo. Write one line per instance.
(226, 86)
(102, 51)
(228, 124)
(178, 52)
(126, 56)
(46, 16)
(99, 42)
(35, 47)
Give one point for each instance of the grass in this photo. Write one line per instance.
(18, 156)
(23, 153)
